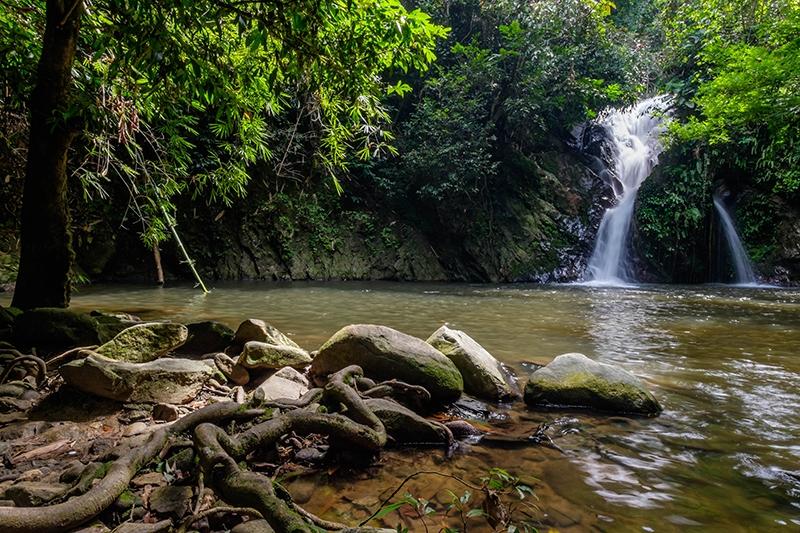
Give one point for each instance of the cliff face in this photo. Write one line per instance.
(538, 226)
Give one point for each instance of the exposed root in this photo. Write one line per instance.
(41, 367)
(77, 510)
(245, 511)
(69, 355)
(338, 411)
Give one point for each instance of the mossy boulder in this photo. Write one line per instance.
(54, 329)
(164, 380)
(574, 380)
(484, 376)
(385, 353)
(206, 337)
(265, 356)
(144, 342)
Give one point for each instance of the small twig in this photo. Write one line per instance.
(249, 511)
(317, 521)
(70, 354)
(409, 478)
(69, 12)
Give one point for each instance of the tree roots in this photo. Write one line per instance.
(337, 411)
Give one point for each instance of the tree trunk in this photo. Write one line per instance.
(46, 242)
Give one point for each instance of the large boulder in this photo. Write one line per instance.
(285, 383)
(206, 337)
(574, 380)
(484, 376)
(144, 342)
(161, 381)
(52, 329)
(258, 330)
(265, 356)
(385, 353)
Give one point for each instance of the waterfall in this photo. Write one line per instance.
(633, 135)
(743, 271)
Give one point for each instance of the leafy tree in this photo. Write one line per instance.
(137, 82)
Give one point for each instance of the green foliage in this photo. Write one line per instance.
(503, 506)
(744, 84)
(190, 95)
(671, 216)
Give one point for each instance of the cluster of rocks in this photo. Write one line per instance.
(163, 362)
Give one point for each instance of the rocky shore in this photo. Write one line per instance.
(174, 409)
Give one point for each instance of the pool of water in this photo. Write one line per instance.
(723, 361)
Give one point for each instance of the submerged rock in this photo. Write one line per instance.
(285, 383)
(262, 355)
(484, 376)
(385, 353)
(174, 381)
(258, 330)
(144, 342)
(206, 337)
(574, 380)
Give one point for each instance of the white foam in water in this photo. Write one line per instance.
(633, 132)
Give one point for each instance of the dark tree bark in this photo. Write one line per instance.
(46, 253)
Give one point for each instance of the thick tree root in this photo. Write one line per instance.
(337, 411)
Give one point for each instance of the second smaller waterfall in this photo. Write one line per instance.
(743, 270)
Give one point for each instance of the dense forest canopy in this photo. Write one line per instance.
(450, 116)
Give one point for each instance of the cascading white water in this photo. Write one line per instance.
(743, 270)
(633, 133)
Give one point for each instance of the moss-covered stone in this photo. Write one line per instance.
(144, 342)
(163, 380)
(574, 380)
(262, 355)
(385, 353)
(484, 376)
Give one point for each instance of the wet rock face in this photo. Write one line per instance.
(385, 353)
(174, 381)
(484, 376)
(144, 342)
(574, 380)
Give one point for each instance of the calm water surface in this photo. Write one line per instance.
(724, 362)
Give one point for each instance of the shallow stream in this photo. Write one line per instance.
(723, 361)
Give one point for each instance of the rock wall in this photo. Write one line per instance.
(538, 226)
